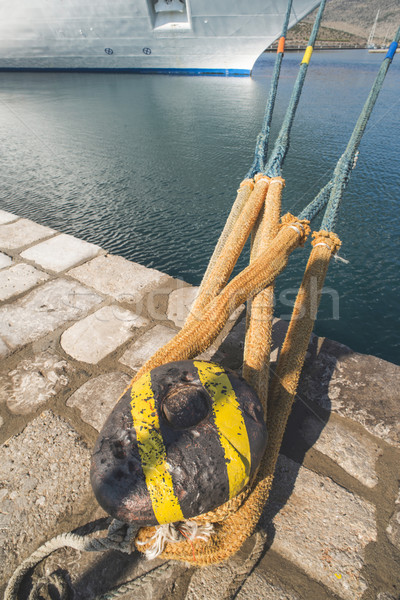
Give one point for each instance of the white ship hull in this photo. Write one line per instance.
(201, 36)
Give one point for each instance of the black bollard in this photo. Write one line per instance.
(184, 439)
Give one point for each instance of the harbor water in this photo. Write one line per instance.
(147, 166)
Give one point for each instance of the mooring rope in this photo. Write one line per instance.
(261, 148)
(280, 149)
(136, 584)
(225, 262)
(344, 166)
(275, 162)
(331, 195)
(196, 336)
(188, 343)
(243, 194)
(260, 309)
(120, 536)
(325, 245)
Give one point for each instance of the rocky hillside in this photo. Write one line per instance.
(328, 37)
(348, 23)
(357, 17)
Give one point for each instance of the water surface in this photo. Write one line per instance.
(147, 166)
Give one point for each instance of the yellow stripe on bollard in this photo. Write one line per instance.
(230, 424)
(152, 452)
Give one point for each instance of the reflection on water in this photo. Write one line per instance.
(147, 166)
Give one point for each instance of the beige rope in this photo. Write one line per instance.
(259, 326)
(243, 194)
(230, 252)
(197, 336)
(234, 530)
(294, 348)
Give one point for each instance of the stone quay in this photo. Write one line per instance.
(76, 323)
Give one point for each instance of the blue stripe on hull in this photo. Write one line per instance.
(157, 70)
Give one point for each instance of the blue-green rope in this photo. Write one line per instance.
(275, 162)
(320, 200)
(331, 195)
(263, 137)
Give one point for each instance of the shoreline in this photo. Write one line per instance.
(290, 47)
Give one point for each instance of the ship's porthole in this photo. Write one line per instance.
(108, 50)
(146, 50)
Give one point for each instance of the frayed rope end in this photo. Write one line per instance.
(174, 533)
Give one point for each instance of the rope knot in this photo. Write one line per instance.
(302, 226)
(328, 238)
(173, 533)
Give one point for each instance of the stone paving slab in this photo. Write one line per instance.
(211, 583)
(34, 381)
(21, 233)
(260, 588)
(5, 260)
(18, 279)
(95, 574)
(7, 217)
(393, 529)
(42, 482)
(227, 350)
(43, 310)
(96, 398)
(93, 338)
(61, 252)
(143, 348)
(357, 386)
(179, 304)
(352, 451)
(4, 350)
(119, 278)
(322, 532)
(320, 527)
